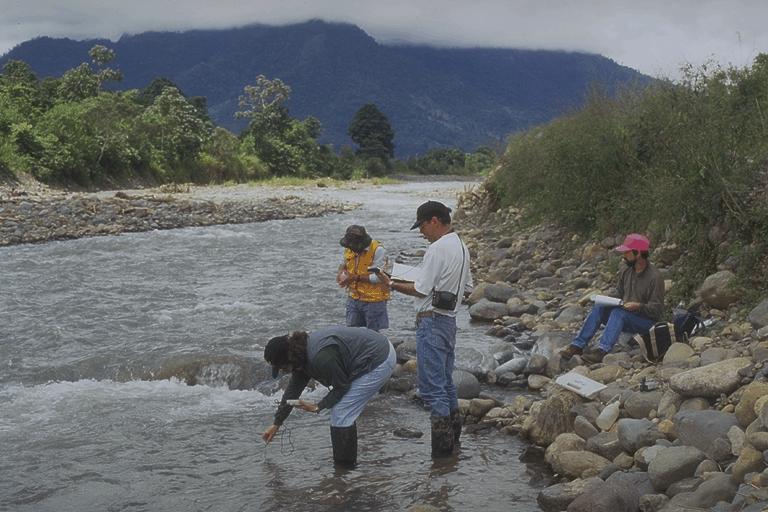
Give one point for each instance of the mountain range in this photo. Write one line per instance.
(433, 97)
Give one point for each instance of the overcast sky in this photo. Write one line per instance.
(652, 36)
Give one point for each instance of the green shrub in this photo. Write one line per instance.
(672, 160)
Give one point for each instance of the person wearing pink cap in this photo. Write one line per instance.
(641, 289)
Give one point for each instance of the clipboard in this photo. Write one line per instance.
(405, 273)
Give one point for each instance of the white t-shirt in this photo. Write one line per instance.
(442, 269)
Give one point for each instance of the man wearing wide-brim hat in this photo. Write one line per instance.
(641, 289)
(367, 296)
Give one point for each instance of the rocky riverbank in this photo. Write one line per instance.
(687, 433)
(41, 214)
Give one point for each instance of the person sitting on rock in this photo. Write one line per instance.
(641, 288)
(354, 361)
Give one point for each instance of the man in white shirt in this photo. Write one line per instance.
(443, 281)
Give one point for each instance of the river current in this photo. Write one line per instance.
(101, 339)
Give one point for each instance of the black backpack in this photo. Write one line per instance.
(686, 323)
(655, 343)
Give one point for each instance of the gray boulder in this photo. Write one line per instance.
(717, 488)
(499, 292)
(477, 362)
(487, 310)
(515, 365)
(711, 380)
(706, 430)
(639, 404)
(570, 314)
(578, 464)
(758, 317)
(605, 444)
(718, 290)
(673, 464)
(620, 493)
(467, 385)
(634, 434)
(557, 497)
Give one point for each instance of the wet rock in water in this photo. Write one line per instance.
(407, 433)
(566, 442)
(515, 365)
(474, 361)
(551, 417)
(487, 311)
(557, 497)
(578, 464)
(478, 407)
(467, 385)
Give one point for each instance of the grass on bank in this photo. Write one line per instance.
(685, 162)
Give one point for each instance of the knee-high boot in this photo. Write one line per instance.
(456, 423)
(344, 441)
(442, 436)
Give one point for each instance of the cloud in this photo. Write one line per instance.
(654, 36)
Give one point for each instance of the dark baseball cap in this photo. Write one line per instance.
(276, 353)
(432, 209)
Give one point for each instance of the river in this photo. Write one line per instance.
(91, 329)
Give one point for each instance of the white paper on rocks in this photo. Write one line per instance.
(579, 384)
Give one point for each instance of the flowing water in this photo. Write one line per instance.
(100, 339)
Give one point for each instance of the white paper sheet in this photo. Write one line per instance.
(402, 272)
(605, 300)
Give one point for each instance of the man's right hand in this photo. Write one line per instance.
(343, 279)
(269, 434)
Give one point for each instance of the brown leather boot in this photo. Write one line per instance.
(571, 350)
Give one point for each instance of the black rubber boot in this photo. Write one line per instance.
(442, 436)
(456, 423)
(344, 441)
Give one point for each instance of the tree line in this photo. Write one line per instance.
(74, 129)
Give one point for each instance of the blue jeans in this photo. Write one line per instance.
(616, 320)
(372, 315)
(360, 392)
(435, 353)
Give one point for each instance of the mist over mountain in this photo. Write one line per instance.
(433, 97)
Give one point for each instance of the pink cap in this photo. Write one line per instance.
(634, 242)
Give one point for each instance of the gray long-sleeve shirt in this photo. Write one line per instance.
(646, 287)
(336, 356)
